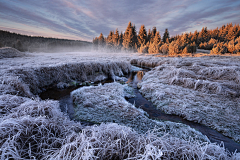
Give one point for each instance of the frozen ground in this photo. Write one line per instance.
(34, 129)
(204, 89)
(107, 104)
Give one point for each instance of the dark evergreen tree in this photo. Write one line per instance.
(149, 35)
(135, 40)
(222, 33)
(184, 39)
(153, 32)
(95, 43)
(101, 40)
(215, 33)
(203, 35)
(109, 41)
(120, 41)
(130, 37)
(231, 34)
(142, 36)
(154, 47)
(116, 38)
(19, 46)
(194, 37)
(165, 35)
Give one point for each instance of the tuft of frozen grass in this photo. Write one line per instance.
(113, 141)
(14, 85)
(8, 102)
(31, 129)
(32, 137)
(36, 108)
(106, 103)
(203, 90)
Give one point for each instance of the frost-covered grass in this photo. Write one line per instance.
(34, 129)
(7, 52)
(113, 141)
(27, 80)
(106, 103)
(199, 89)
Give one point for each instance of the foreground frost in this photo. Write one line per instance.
(113, 141)
(199, 89)
(34, 129)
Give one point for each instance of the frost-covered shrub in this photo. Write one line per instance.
(35, 108)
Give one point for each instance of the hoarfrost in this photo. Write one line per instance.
(107, 104)
(34, 129)
(199, 89)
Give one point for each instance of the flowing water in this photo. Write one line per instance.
(66, 105)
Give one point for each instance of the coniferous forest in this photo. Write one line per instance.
(40, 44)
(225, 39)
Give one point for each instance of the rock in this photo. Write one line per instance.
(62, 85)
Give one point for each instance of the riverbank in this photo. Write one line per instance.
(22, 112)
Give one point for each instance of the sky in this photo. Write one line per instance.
(86, 19)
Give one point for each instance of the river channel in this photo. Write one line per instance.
(66, 105)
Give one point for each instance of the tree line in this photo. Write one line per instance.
(225, 39)
(40, 44)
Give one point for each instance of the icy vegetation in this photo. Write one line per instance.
(27, 80)
(107, 104)
(8, 52)
(205, 90)
(31, 128)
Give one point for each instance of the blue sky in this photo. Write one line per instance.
(86, 19)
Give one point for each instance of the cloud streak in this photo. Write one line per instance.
(78, 19)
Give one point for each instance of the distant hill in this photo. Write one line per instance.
(41, 44)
